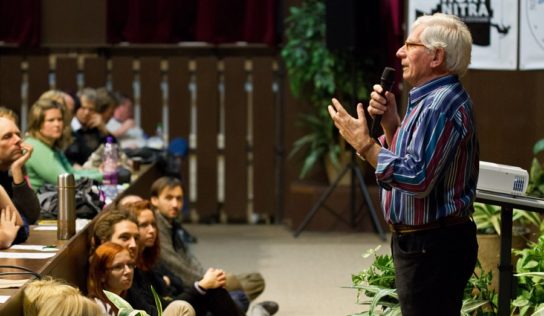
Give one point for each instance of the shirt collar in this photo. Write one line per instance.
(76, 125)
(418, 93)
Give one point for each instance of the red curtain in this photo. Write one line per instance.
(20, 22)
(171, 21)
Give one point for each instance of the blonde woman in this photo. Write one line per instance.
(49, 297)
(45, 134)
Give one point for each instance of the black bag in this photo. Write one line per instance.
(88, 199)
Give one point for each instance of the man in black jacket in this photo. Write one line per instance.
(13, 155)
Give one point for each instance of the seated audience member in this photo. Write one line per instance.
(13, 155)
(88, 128)
(122, 124)
(207, 296)
(69, 104)
(50, 297)
(45, 130)
(167, 201)
(129, 199)
(120, 227)
(111, 268)
(106, 103)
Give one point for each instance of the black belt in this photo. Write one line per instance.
(440, 223)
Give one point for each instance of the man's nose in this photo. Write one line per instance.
(132, 244)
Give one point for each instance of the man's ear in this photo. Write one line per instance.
(439, 58)
(154, 201)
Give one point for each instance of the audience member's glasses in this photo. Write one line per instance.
(410, 45)
(121, 267)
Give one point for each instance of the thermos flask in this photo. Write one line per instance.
(66, 222)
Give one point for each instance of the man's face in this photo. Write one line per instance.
(126, 234)
(416, 59)
(169, 202)
(10, 142)
(86, 111)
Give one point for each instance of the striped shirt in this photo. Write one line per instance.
(431, 168)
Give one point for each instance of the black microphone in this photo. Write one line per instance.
(386, 81)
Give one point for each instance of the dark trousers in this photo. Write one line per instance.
(432, 269)
(216, 302)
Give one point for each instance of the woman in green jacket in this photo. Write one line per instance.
(45, 134)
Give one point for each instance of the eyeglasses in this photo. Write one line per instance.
(120, 267)
(409, 45)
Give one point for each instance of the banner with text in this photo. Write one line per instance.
(492, 23)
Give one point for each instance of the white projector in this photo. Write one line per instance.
(502, 178)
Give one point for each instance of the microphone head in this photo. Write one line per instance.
(388, 78)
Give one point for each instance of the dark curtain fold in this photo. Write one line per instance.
(260, 21)
(20, 22)
(212, 21)
(393, 18)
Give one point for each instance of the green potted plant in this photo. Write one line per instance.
(536, 174)
(316, 74)
(530, 274)
(375, 287)
(488, 224)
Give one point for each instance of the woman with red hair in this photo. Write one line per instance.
(111, 268)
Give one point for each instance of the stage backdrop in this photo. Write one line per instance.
(493, 24)
(531, 48)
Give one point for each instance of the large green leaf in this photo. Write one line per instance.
(158, 303)
(125, 309)
(538, 147)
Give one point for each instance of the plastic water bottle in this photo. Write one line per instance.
(110, 161)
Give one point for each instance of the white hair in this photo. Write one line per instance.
(449, 33)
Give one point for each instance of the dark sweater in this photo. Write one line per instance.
(85, 142)
(216, 301)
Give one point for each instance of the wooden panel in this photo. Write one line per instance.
(235, 139)
(122, 74)
(207, 122)
(66, 74)
(38, 77)
(264, 129)
(94, 72)
(10, 82)
(73, 22)
(505, 114)
(179, 106)
(179, 98)
(151, 97)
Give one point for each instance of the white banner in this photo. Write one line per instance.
(492, 23)
(531, 46)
